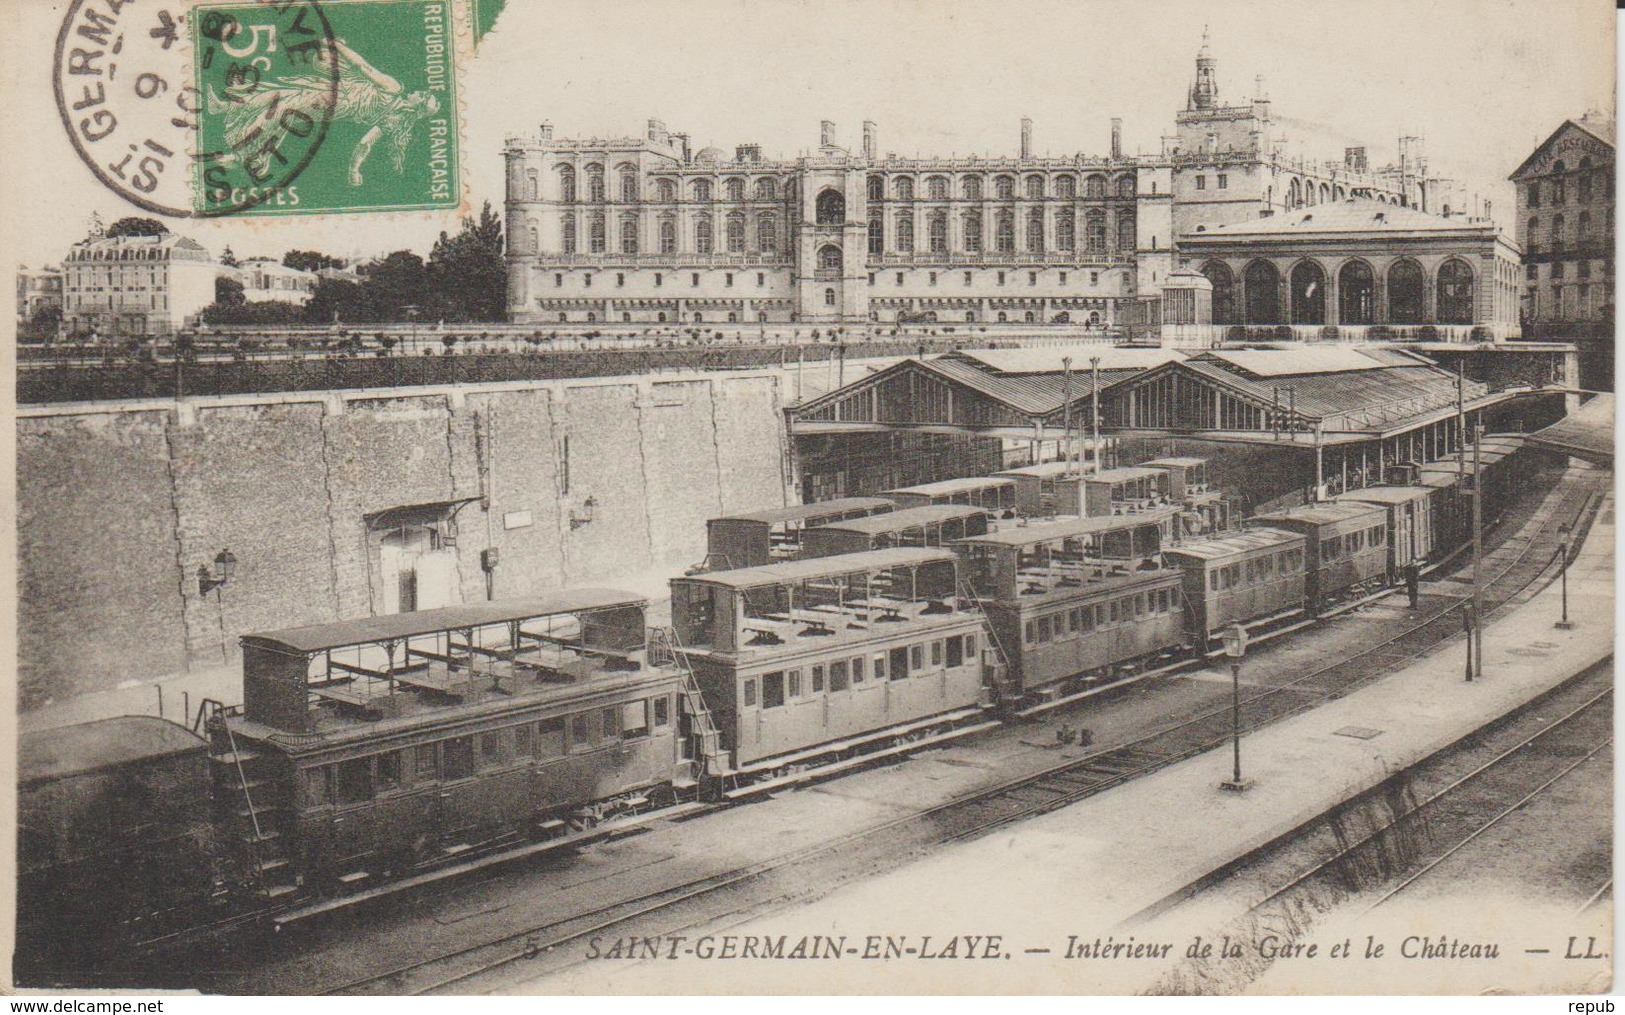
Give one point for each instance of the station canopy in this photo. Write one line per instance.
(1586, 433)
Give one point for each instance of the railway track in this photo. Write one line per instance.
(891, 844)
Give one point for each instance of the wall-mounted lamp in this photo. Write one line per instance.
(213, 576)
(585, 516)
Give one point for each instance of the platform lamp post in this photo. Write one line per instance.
(1235, 648)
(1094, 408)
(1563, 549)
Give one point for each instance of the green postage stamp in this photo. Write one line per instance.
(325, 107)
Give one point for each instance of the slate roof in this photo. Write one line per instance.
(1354, 215)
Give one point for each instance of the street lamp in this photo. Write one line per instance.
(1563, 549)
(1235, 647)
(211, 577)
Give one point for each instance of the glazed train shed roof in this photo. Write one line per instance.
(106, 743)
(1586, 433)
(1378, 389)
(1047, 360)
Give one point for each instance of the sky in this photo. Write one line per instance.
(1483, 81)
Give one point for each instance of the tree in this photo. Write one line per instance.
(133, 226)
(310, 260)
(467, 272)
(46, 319)
(399, 281)
(269, 312)
(228, 292)
(228, 258)
(337, 299)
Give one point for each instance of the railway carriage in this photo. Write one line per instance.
(1125, 491)
(377, 746)
(1346, 549)
(994, 494)
(1074, 601)
(1239, 577)
(812, 658)
(757, 538)
(1188, 486)
(1410, 522)
(1047, 489)
(934, 525)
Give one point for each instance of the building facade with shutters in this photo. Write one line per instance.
(641, 230)
(1565, 224)
(135, 286)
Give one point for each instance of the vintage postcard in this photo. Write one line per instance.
(885, 497)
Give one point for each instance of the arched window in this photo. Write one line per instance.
(735, 189)
(734, 229)
(1125, 230)
(1066, 187)
(629, 234)
(1094, 230)
(829, 297)
(938, 227)
(971, 222)
(595, 234)
(877, 234)
(1035, 230)
(1224, 291)
(531, 183)
(829, 258)
(830, 208)
(766, 189)
(1004, 231)
(877, 188)
(905, 233)
(1557, 234)
(1585, 178)
(1004, 188)
(1262, 284)
(1029, 317)
(563, 317)
(1066, 229)
(1356, 294)
(668, 235)
(1455, 292)
(970, 317)
(704, 235)
(904, 189)
(1294, 194)
(1325, 193)
(767, 234)
(567, 234)
(936, 188)
(1125, 186)
(595, 183)
(666, 190)
(1035, 187)
(1559, 189)
(629, 184)
(970, 188)
(567, 184)
(1094, 188)
(1405, 292)
(1003, 317)
(1308, 293)
(700, 190)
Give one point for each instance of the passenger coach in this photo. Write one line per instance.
(1346, 547)
(1240, 577)
(762, 537)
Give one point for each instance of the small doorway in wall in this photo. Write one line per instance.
(412, 557)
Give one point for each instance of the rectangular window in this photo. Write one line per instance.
(897, 663)
(837, 675)
(580, 731)
(1224, 181)
(457, 758)
(933, 278)
(879, 670)
(936, 653)
(1213, 581)
(550, 738)
(634, 720)
(728, 279)
(659, 278)
(620, 278)
(1073, 620)
(558, 280)
(522, 741)
(316, 786)
(970, 646)
(662, 711)
(956, 653)
(792, 681)
(1094, 278)
(857, 670)
(818, 679)
(1063, 278)
(1086, 620)
(1201, 182)
(423, 768)
(773, 689)
(694, 278)
(1112, 611)
(1032, 278)
(586, 280)
(761, 279)
(1031, 632)
(1043, 630)
(750, 692)
(916, 657)
(491, 752)
(899, 278)
(967, 278)
(612, 722)
(871, 278)
(1001, 277)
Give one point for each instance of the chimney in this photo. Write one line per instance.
(869, 143)
(1117, 137)
(657, 131)
(546, 131)
(826, 133)
(682, 144)
(1026, 137)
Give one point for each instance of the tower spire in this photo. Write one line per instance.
(1205, 90)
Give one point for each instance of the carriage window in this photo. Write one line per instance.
(818, 679)
(550, 738)
(899, 663)
(389, 771)
(750, 691)
(580, 730)
(936, 653)
(1072, 621)
(352, 781)
(634, 720)
(1213, 581)
(916, 657)
(457, 758)
(837, 675)
(522, 746)
(1142, 605)
(1234, 575)
(491, 748)
(1111, 611)
(1087, 619)
(970, 646)
(1043, 629)
(773, 689)
(316, 786)
(1330, 548)
(1377, 536)
(956, 653)
(792, 681)
(879, 671)
(857, 670)
(423, 769)
(612, 723)
(1032, 632)
(662, 711)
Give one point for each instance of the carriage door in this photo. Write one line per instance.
(416, 555)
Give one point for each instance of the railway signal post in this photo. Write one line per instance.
(1235, 647)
